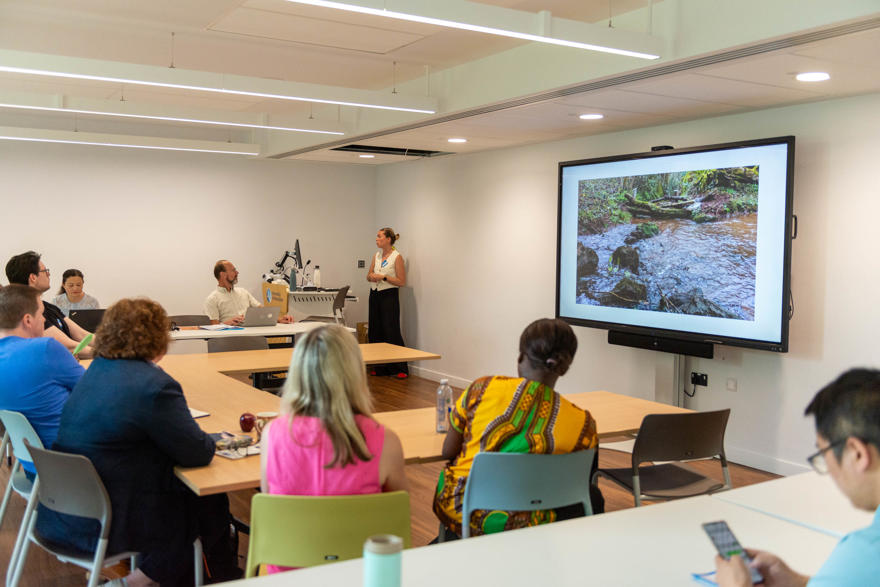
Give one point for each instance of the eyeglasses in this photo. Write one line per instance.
(817, 459)
(46, 270)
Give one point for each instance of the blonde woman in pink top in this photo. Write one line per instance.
(326, 442)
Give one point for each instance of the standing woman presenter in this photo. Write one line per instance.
(386, 275)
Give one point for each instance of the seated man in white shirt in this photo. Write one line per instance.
(226, 304)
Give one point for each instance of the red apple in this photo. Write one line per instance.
(247, 421)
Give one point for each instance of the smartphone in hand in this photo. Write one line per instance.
(727, 545)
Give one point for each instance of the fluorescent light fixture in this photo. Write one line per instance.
(471, 27)
(35, 135)
(177, 86)
(456, 140)
(168, 118)
(595, 116)
(813, 76)
(367, 156)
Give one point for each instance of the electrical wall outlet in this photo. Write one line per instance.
(361, 263)
(731, 384)
(699, 379)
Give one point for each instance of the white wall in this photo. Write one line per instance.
(153, 223)
(479, 233)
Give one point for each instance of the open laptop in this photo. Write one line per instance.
(266, 316)
(88, 319)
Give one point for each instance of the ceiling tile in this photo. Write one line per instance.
(312, 31)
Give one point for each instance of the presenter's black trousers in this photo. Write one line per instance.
(384, 325)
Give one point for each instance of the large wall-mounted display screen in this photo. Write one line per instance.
(684, 243)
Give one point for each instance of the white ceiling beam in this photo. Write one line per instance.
(494, 20)
(202, 81)
(191, 116)
(41, 135)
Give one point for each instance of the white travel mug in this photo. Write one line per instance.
(382, 560)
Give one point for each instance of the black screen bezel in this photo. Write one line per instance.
(775, 346)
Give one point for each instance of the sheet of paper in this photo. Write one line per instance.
(219, 327)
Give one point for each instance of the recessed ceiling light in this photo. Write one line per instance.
(457, 140)
(813, 76)
(594, 116)
(367, 156)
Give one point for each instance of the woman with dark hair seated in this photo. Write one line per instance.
(130, 418)
(515, 414)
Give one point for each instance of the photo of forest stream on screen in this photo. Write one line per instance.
(682, 242)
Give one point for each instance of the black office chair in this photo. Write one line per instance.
(264, 381)
(189, 320)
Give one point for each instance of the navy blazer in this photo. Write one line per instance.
(131, 419)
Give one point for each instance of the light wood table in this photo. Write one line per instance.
(808, 499)
(615, 415)
(207, 388)
(225, 399)
(658, 545)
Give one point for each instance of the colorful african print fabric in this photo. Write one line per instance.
(508, 414)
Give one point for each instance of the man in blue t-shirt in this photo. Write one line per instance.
(36, 374)
(847, 413)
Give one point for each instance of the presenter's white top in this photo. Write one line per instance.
(222, 304)
(385, 267)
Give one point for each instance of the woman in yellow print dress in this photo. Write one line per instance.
(515, 414)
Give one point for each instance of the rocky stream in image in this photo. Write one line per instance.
(687, 267)
(681, 242)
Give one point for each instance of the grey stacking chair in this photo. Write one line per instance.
(673, 437)
(338, 309)
(189, 320)
(19, 430)
(4, 451)
(69, 484)
(527, 482)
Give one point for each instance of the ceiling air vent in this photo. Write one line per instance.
(372, 150)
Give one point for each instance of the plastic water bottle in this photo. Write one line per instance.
(444, 405)
(382, 560)
(317, 277)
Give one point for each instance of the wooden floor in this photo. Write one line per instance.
(388, 394)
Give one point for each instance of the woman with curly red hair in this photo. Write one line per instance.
(130, 418)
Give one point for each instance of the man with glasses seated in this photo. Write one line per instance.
(847, 413)
(28, 269)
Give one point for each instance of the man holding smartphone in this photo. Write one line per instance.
(847, 413)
